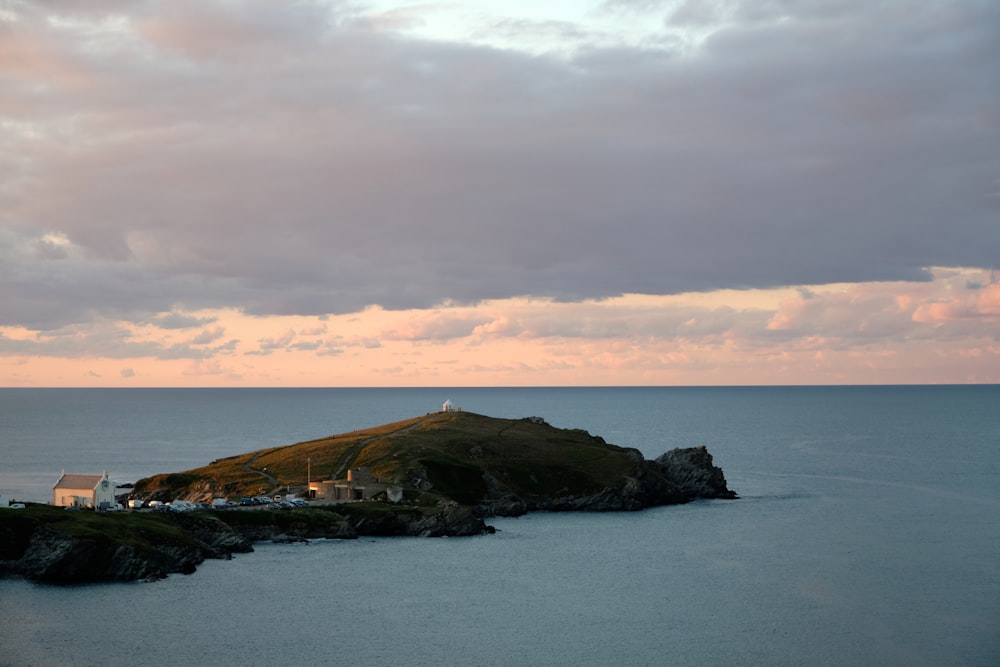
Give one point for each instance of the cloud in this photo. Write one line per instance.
(179, 321)
(127, 373)
(103, 339)
(268, 345)
(435, 326)
(208, 336)
(295, 159)
(211, 367)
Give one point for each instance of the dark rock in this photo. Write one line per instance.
(216, 538)
(676, 477)
(55, 557)
(692, 471)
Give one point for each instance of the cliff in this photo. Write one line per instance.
(454, 469)
(48, 544)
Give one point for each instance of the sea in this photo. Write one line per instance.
(867, 532)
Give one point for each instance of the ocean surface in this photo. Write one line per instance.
(867, 533)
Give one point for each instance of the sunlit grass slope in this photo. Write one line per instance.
(455, 450)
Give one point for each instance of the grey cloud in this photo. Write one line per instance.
(208, 336)
(47, 250)
(268, 345)
(110, 343)
(664, 323)
(366, 342)
(349, 168)
(179, 321)
(440, 327)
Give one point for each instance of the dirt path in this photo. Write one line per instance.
(271, 479)
(345, 460)
(350, 455)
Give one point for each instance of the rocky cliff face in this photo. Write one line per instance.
(39, 550)
(693, 473)
(447, 519)
(32, 545)
(676, 477)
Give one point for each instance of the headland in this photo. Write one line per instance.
(441, 474)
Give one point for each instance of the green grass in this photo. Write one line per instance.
(455, 449)
(138, 529)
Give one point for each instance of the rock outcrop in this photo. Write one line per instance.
(693, 473)
(448, 519)
(40, 544)
(676, 477)
(39, 548)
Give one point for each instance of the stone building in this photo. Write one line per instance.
(360, 484)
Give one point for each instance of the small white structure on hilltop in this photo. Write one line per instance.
(450, 407)
(95, 491)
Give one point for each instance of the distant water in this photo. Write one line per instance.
(868, 532)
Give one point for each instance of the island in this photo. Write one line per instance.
(442, 474)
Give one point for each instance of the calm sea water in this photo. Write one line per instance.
(868, 532)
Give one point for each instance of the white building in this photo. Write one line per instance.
(448, 407)
(95, 491)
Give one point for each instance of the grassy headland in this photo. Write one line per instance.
(456, 452)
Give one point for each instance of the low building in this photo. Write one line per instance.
(74, 490)
(360, 484)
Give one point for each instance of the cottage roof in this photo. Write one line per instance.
(74, 481)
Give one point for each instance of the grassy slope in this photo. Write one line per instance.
(454, 448)
(139, 530)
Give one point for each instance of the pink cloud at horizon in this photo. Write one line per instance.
(944, 330)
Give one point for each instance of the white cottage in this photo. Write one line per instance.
(448, 406)
(95, 491)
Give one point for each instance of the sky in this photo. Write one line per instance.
(621, 192)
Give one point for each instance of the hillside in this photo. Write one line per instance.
(502, 466)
